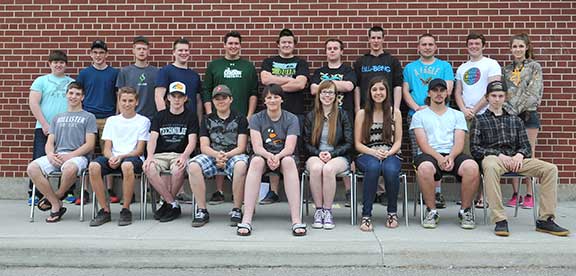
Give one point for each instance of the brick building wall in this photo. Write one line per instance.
(30, 29)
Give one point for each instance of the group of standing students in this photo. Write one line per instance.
(349, 123)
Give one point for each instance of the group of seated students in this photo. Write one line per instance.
(330, 135)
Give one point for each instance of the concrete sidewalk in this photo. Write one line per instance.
(71, 243)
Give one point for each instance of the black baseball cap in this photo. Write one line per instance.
(142, 39)
(437, 82)
(99, 44)
(495, 86)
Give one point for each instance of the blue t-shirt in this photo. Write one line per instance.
(418, 75)
(439, 128)
(170, 73)
(53, 90)
(100, 90)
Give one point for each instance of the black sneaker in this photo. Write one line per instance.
(101, 218)
(501, 229)
(348, 203)
(161, 211)
(440, 202)
(550, 227)
(201, 217)
(235, 216)
(271, 197)
(171, 214)
(217, 198)
(125, 217)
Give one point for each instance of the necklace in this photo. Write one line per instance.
(515, 78)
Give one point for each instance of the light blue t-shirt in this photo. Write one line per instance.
(418, 75)
(439, 128)
(53, 90)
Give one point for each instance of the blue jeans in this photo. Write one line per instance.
(372, 168)
(38, 150)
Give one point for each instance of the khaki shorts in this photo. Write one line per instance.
(166, 160)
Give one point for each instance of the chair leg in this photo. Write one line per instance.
(518, 197)
(32, 206)
(535, 197)
(301, 196)
(421, 209)
(405, 202)
(82, 186)
(142, 196)
(353, 199)
(485, 200)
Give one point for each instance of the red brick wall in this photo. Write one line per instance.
(29, 30)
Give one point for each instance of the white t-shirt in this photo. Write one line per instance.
(474, 76)
(439, 128)
(125, 133)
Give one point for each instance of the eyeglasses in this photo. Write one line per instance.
(328, 93)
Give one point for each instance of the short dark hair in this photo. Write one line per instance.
(232, 34)
(476, 36)
(58, 55)
(286, 32)
(375, 29)
(140, 39)
(75, 85)
(335, 40)
(273, 89)
(181, 40)
(427, 35)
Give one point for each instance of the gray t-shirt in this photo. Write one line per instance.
(143, 80)
(274, 133)
(70, 129)
(324, 145)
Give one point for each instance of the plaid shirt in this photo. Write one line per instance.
(492, 135)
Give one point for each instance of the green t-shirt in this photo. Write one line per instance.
(239, 75)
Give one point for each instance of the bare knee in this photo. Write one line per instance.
(194, 169)
(426, 169)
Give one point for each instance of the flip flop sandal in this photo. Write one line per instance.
(392, 221)
(244, 226)
(299, 226)
(56, 216)
(366, 225)
(44, 204)
(480, 204)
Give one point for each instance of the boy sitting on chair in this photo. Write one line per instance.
(500, 141)
(71, 139)
(125, 137)
(223, 138)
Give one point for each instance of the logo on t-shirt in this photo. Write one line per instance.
(232, 73)
(376, 68)
(272, 138)
(284, 69)
(472, 76)
(142, 80)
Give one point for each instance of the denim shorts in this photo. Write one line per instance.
(531, 119)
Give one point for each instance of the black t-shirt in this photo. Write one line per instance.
(342, 73)
(288, 67)
(369, 66)
(173, 130)
(223, 134)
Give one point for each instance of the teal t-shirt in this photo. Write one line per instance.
(239, 75)
(53, 90)
(418, 75)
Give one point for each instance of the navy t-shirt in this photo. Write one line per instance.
(100, 90)
(170, 73)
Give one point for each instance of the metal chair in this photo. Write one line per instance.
(421, 200)
(520, 177)
(404, 179)
(305, 195)
(58, 174)
(153, 192)
(142, 194)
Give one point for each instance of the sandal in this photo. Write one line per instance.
(44, 204)
(392, 221)
(366, 225)
(299, 226)
(244, 226)
(480, 204)
(56, 216)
